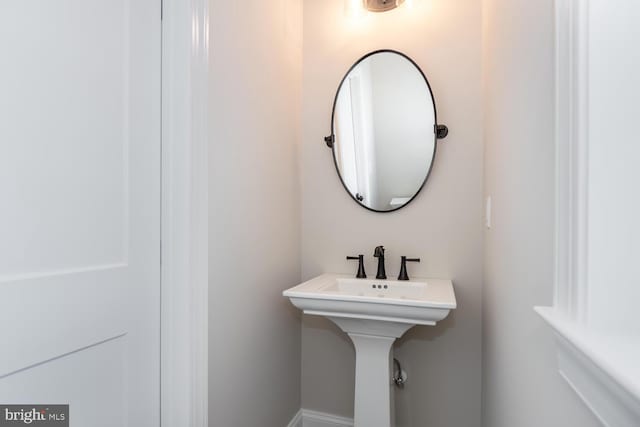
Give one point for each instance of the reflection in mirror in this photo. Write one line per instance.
(384, 128)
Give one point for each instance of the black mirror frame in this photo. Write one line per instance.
(440, 131)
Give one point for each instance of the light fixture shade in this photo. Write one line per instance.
(382, 5)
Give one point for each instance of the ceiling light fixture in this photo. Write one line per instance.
(382, 5)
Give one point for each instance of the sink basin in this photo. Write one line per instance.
(415, 302)
(374, 313)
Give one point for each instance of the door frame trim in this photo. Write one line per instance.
(184, 233)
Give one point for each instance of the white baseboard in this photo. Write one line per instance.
(297, 420)
(307, 418)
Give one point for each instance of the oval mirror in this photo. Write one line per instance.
(384, 131)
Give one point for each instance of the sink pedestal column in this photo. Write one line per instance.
(374, 392)
(372, 406)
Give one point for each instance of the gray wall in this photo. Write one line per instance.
(254, 208)
(521, 385)
(443, 225)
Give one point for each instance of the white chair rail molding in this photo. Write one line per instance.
(597, 230)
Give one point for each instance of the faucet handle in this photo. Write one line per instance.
(361, 273)
(378, 251)
(403, 267)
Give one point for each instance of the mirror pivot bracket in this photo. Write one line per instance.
(441, 131)
(330, 140)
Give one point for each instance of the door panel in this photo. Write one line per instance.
(80, 207)
(63, 81)
(99, 366)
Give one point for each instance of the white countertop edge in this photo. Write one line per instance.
(369, 300)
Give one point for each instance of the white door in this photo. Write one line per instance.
(79, 208)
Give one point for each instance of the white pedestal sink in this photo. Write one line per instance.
(374, 313)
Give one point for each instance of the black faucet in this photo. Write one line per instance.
(403, 267)
(379, 253)
(361, 274)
